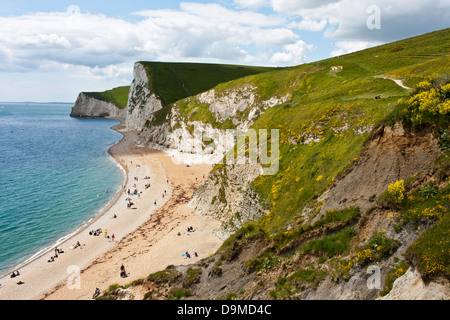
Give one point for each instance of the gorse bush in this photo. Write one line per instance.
(428, 103)
(397, 189)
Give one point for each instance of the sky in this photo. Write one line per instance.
(51, 50)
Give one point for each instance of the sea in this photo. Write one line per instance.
(55, 176)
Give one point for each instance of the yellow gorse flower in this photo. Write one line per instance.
(397, 189)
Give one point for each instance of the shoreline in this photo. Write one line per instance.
(39, 254)
(43, 280)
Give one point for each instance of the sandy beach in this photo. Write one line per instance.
(148, 236)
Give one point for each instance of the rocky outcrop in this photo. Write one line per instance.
(410, 286)
(87, 106)
(142, 102)
(228, 197)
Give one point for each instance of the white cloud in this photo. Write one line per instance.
(293, 7)
(344, 47)
(309, 25)
(251, 3)
(274, 37)
(347, 19)
(293, 54)
(208, 31)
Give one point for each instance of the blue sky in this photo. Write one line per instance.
(50, 50)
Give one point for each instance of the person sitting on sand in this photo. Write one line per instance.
(96, 293)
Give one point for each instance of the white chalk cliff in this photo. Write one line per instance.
(87, 106)
(142, 102)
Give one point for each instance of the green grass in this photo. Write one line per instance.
(164, 276)
(330, 246)
(431, 250)
(343, 217)
(174, 81)
(117, 96)
(286, 288)
(415, 50)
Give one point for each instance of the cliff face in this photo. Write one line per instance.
(86, 106)
(142, 102)
(228, 196)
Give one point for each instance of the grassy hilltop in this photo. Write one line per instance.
(117, 96)
(174, 81)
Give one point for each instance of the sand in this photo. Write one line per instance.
(146, 236)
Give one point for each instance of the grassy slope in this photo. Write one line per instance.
(117, 96)
(325, 100)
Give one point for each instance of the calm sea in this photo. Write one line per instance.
(54, 173)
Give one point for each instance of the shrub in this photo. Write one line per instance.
(285, 288)
(192, 277)
(165, 276)
(382, 246)
(429, 191)
(330, 245)
(428, 103)
(431, 251)
(378, 248)
(178, 294)
(397, 190)
(396, 272)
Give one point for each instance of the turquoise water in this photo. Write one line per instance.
(54, 173)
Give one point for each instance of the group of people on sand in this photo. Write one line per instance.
(96, 232)
(58, 251)
(187, 255)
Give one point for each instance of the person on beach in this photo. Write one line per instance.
(106, 232)
(14, 274)
(123, 273)
(96, 293)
